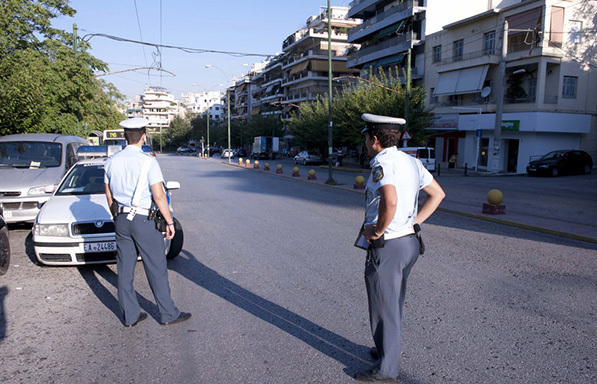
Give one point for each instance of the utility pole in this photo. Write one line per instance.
(407, 96)
(330, 179)
(497, 134)
(75, 37)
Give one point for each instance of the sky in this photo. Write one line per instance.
(245, 26)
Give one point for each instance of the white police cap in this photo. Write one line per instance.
(381, 122)
(134, 123)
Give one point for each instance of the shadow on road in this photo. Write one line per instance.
(90, 275)
(353, 356)
(3, 293)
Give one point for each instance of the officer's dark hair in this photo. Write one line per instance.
(133, 136)
(387, 137)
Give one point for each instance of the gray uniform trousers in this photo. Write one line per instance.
(140, 234)
(386, 272)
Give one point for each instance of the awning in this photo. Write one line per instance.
(269, 89)
(319, 65)
(300, 67)
(240, 88)
(255, 111)
(469, 80)
(391, 60)
(394, 28)
(370, 64)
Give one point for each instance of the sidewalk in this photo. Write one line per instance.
(462, 201)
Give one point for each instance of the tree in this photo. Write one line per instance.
(45, 86)
(382, 94)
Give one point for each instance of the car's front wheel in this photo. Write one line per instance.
(4, 251)
(587, 169)
(176, 242)
(555, 172)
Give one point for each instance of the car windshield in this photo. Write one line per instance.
(553, 155)
(30, 154)
(83, 179)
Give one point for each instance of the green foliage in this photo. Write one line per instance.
(45, 86)
(382, 94)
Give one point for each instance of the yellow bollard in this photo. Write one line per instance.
(266, 167)
(279, 168)
(256, 165)
(494, 197)
(295, 172)
(359, 182)
(311, 175)
(248, 163)
(240, 161)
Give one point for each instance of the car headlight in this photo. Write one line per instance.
(51, 230)
(38, 190)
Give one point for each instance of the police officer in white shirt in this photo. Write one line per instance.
(126, 172)
(391, 215)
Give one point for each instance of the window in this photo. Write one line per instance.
(532, 89)
(489, 43)
(574, 28)
(458, 50)
(437, 53)
(569, 88)
(433, 99)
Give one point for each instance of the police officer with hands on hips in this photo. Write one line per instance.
(132, 179)
(390, 221)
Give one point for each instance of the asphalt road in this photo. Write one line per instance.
(277, 295)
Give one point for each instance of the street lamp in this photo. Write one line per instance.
(227, 100)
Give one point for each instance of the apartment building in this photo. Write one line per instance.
(301, 73)
(200, 102)
(391, 28)
(547, 100)
(159, 107)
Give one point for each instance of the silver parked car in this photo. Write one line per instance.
(31, 166)
(307, 157)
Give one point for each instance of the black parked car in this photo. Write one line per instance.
(4, 244)
(561, 162)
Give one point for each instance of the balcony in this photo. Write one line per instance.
(304, 77)
(395, 45)
(381, 20)
(471, 59)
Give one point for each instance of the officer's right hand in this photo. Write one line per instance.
(170, 232)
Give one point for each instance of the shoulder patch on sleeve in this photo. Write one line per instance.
(377, 173)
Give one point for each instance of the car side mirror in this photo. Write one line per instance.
(172, 185)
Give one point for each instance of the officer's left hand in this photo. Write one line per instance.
(369, 233)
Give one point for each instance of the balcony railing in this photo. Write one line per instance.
(468, 56)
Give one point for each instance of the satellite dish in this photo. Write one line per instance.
(485, 91)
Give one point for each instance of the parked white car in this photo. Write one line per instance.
(75, 227)
(227, 153)
(307, 157)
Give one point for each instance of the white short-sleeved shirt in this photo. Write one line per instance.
(408, 175)
(122, 171)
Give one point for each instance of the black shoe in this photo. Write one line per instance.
(142, 316)
(372, 376)
(184, 316)
(373, 353)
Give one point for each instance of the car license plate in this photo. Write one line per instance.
(109, 246)
(7, 214)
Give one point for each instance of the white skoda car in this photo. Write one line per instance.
(75, 227)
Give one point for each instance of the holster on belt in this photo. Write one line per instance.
(417, 229)
(114, 209)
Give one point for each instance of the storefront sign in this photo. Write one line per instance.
(510, 125)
